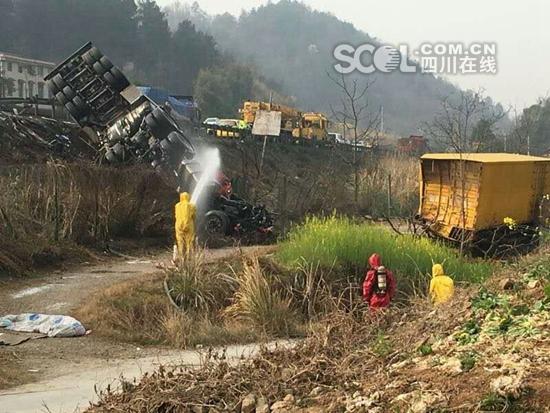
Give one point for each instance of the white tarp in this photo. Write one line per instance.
(50, 325)
(267, 123)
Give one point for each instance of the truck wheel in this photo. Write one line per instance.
(92, 56)
(159, 124)
(216, 223)
(151, 122)
(59, 82)
(108, 77)
(52, 88)
(99, 68)
(80, 105)
(111, 156)
(60, 97)
(175, 138)
(116, 79)
(106, 63)
(118, 149)
(69, 92)
(120, 79)
(73, 111)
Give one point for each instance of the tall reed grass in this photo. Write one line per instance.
(53, 204)
(336, 241)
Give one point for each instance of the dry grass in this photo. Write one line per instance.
(47, 210)
(198, 287)
(12, 371)
(393, 176)
(257, 301)
(355, 357)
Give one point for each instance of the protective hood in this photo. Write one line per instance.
(375, 261)
(184, 197)
(437, 270)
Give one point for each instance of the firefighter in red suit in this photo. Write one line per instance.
(379, 285)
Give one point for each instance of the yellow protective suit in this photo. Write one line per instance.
(185, 224)
(442, 287)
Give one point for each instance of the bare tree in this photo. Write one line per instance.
(454, 125)
(353, 112)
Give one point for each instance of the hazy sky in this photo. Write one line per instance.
(520, 29)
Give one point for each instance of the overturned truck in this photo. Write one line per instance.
(133, 128)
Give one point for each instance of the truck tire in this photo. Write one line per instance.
(116, 79)
(73, 111)
(52, 88)
(69, 92)
(216, 223)
(165, 145)
(118, 149)
(80, 105)
(158, 124)
(99, 68)
(92, 56)
(106, 63)
(175, 138)
(120, 80)
(59, 82)
(61, 98)
(111, 156)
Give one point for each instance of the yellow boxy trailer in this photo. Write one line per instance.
(463, 195)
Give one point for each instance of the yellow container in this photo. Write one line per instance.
(476, 191)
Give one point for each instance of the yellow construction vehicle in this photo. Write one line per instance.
(295, 125)
(313, 127)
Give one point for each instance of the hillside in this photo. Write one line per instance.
(293, 44)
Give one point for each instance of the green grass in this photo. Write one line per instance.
(341, 242)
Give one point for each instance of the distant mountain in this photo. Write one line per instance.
(293, 45)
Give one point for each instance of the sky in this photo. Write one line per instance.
(519, 28)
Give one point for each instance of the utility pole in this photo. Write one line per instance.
(528, 145)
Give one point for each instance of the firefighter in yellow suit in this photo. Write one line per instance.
(441, 286)
(185, 213)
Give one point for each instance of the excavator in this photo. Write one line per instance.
(133, 128)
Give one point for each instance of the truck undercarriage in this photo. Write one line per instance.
(133, 128)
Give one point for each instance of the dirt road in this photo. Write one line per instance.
(64, 372)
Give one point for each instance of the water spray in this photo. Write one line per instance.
(212, 162)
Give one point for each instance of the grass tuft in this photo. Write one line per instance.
(258, 301)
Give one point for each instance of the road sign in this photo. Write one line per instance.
(267, 123)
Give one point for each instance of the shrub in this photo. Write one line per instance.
(258, 302)
(194, 287)
(342, 242)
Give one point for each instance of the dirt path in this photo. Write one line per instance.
(63, 372)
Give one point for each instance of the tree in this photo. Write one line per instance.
(458, 118)
(192, 51)
(357, 120)
(219, 91)
(531, 132)
(7, 12)
(154, 40)
(484, 138)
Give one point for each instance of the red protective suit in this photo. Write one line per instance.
(370, 295)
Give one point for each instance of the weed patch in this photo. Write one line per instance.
(341, 242)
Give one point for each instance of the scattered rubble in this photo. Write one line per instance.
(35, 139)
